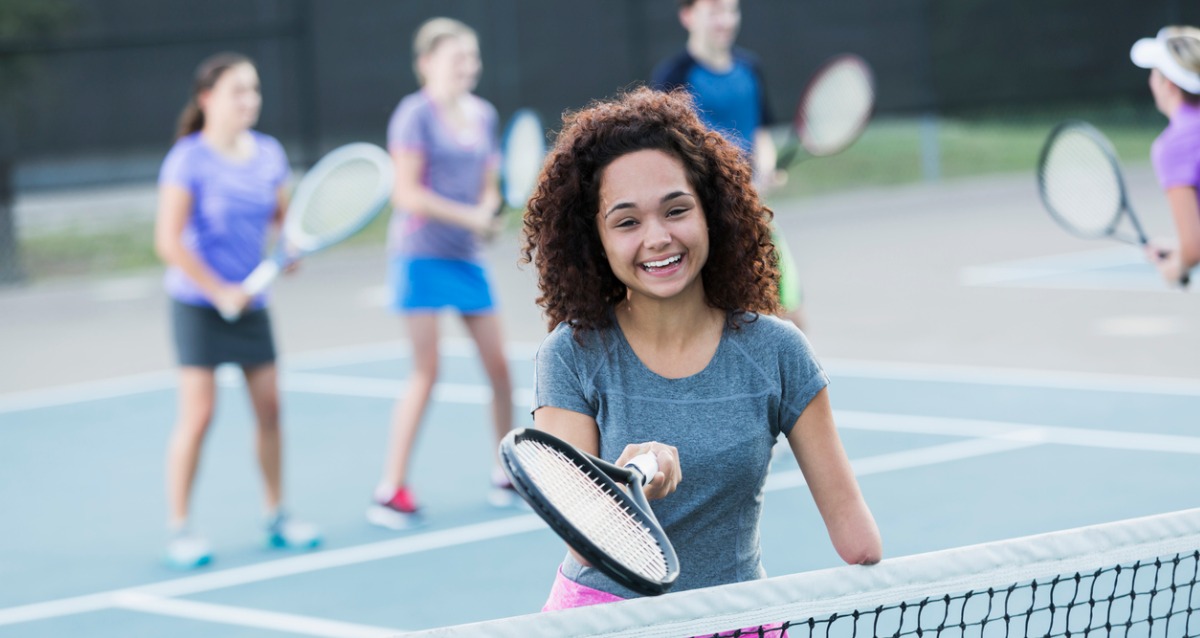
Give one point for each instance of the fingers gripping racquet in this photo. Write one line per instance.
(522, 152)
(599, 509)
(833, 111)
(1082, 187)
(342, 193)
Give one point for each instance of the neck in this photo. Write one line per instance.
(667, 323)
(711, 55)
(222, 137)
(442, 94)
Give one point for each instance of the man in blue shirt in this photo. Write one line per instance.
(727, 85)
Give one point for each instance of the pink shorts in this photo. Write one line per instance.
(567, 593)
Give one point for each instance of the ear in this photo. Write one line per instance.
(202, 99)
(685, 17)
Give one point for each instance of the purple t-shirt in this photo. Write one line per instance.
(233, 204)
(455, 166)
(1176, 153)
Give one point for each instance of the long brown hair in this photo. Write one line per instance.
(207, 74)
(562, 239)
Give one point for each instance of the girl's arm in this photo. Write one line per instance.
(411, 195)
(174, 211)
(814, 440)
(1185, 210)
(581, 431)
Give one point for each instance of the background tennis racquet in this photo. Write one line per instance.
(344, 191)
(596, 507)
(1082, 187)
(522, 150)
(834, 110)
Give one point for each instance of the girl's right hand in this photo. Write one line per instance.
(485, 222)
(230, 299)
(669, 471)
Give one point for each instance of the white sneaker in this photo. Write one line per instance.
(286, 533)
(185, 550)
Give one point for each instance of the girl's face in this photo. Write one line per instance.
(454, 63)
(652, 226)
(1163, 91)
(235, 100)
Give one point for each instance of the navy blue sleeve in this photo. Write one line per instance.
(672, 73)
(766, 116)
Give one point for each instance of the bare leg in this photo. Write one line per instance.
(410, 407)
(197, 400)
(489, 338)
(263, 383)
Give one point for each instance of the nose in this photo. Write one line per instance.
(657, 235)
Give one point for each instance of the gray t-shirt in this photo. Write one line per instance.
(724, 420)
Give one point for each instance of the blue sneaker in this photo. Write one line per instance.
(286, 533)
(186, 550)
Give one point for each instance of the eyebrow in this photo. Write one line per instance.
(666, 198)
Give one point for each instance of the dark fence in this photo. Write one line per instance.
(110, 83)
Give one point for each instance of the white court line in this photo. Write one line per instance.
(519, 351)
(1079, 437)
(909, 459)
(1016, 377)
(442, 539)
(245, 617)
(374, 388)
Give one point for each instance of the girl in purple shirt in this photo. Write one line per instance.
(443, 141)
(221, 187)
(1173, 57)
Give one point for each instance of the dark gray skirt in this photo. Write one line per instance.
(204, 339)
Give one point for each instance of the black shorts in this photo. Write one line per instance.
(204, 339)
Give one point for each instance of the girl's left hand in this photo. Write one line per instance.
(669, 471)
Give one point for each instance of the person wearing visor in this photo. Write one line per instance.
(1173, 57)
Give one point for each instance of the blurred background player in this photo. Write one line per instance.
(730, 93)
(221, 188)
(443, 139)
(1173, 57)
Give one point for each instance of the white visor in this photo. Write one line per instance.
(1152, 53)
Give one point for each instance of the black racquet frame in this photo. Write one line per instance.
(602, 473)
(1124, 209)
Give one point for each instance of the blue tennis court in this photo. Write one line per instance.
(947, 456)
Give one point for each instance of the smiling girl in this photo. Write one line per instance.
(658, 277)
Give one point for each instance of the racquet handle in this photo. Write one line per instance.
(256, 282)
(646, 464)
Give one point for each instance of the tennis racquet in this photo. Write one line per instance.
(522, 152)
(343, 192)
(1081, 185)
(833, 112)
(599, 509)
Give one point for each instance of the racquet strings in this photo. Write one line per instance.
(592, 509)
(1080, 183)
(836, 108)
(338, 204)
(523, 154)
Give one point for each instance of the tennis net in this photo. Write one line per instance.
(1130, 578)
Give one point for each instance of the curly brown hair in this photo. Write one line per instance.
(561, 234)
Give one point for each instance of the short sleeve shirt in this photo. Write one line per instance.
(455, 167)
(1176, 153)
(733, 102)
(233, 205)
(724, 421)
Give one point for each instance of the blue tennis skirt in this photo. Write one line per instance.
(427, 284)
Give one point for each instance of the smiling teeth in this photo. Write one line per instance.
(659, 264)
